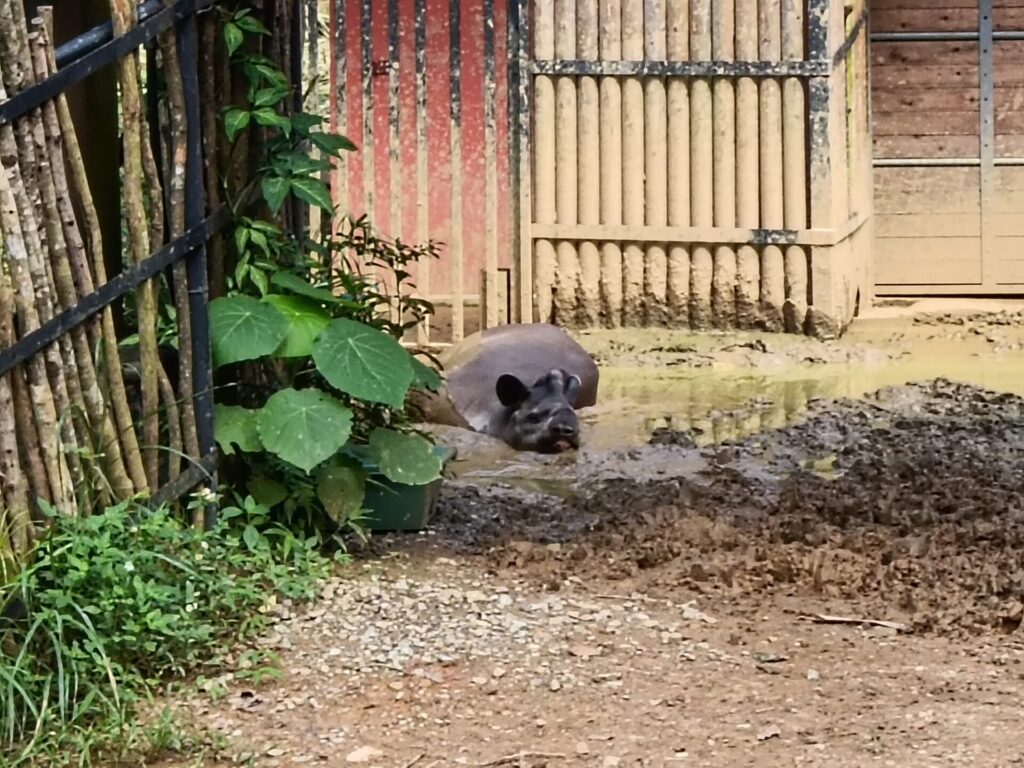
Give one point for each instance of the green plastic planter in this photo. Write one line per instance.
(395, 506)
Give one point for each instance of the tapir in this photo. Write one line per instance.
(521, 383)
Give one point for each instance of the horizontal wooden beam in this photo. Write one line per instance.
(974, 290)
(702, 235)
(654, 68)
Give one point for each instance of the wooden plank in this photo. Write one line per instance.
(589, 174)
(918, 225)
(701, 173)
(748, 202)
(1009, 145)
(708, 235)
(888, 54)
(455, 111)
(632, 162)
(773, 274)
(927, 190)
(918, 123)
(610, 44)
(1009, 256)
(928, 20)
(422, 175)
(931, 261)
(925, 99)
(544, 160)
(678, 49)
(926, 146)
(493, 307)
(723, 94)
(655, 166)
(898, 5)
(794, 153)
(566, 182)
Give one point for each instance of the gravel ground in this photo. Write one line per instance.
(847, 590)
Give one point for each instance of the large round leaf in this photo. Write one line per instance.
(363, 362)
(234, 425)
(304, 427)
(341, 487)
(243, 328)
(404, 458)
(305, 321)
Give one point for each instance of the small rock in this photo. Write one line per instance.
(583, 651)
(582, 748)
(771, 732)
(363, 755)
(498, 672)
(813, 674)
(275, 752)
(555, 685)
(611, 762)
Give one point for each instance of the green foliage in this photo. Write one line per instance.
(244, 328)
(304, 427)
(319, 405)
(120, 602)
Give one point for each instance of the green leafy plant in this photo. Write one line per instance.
(118, 603)
(313, 327)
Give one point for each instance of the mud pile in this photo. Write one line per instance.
(906, 505)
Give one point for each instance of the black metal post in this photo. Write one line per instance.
(198, 280)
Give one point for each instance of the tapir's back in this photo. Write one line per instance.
(527, 351)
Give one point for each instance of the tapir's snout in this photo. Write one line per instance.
(565, 435)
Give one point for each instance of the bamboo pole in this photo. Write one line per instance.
(122, 14)
(566, 176)
(678, 159)
(68, 263)
(13, 481)
(589, 172)
(210, 85)
(633, 162)
(794, 172)
(701, 178)
(748, 265)
(544, 211)
(176, 201)
(17, 75)
(610, 44)
(723, 288)
(117, 396)
(38, 427)
(772, 187)
(655, 165)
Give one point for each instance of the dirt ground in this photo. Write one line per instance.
(675, 600)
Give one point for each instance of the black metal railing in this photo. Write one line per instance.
(76, 60)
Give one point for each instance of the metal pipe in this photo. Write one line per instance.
(940, 37)
(943, 162)
(89, 41)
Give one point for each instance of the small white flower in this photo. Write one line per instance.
(199, 555)
(190, 607)
(207, 496)
(129, 566)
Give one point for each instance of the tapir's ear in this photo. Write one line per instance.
(572, 388)
(511, 391)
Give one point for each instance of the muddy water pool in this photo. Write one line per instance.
(722, 387)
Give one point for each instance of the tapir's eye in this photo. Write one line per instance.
(533, 418)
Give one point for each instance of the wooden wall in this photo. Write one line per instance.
(695, 184)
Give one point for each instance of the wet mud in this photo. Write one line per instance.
(903, 503)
